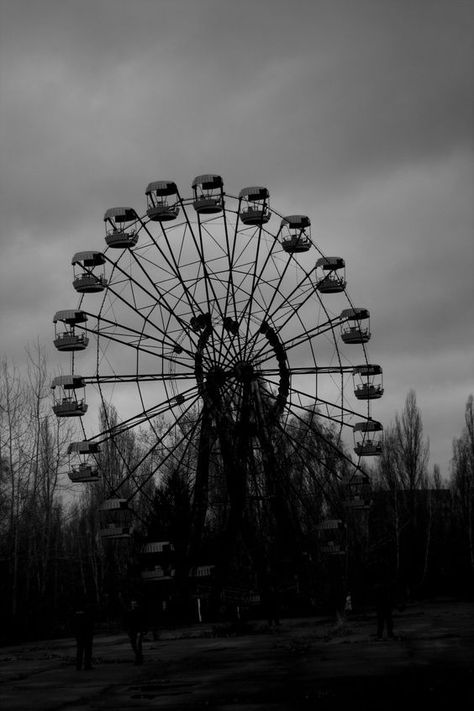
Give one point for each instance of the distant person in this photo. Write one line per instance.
(82, 625)
(348, 604)
(387, 596)
(271, 602)
(136, 629)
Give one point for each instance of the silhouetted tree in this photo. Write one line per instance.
(402, 472)
(462, 484)
(33, 450)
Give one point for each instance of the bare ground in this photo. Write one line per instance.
(303, 664)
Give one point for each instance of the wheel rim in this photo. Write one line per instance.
(208, 313)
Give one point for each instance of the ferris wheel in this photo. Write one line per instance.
(220, 326)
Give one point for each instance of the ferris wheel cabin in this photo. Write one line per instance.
(257, 212)
(208, 194)
(155, 573)
(121, 227)
(69, 340)
(296, 233)
(352, 330)
(83, 468)
(85, 282)
(368, 382)
(67, 403)
(157, 561)
(332, 536)
(330, 275)
(357, 492)
(368, 438)
(115, 518)
(162, 201)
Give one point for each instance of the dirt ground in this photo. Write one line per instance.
(303, 664)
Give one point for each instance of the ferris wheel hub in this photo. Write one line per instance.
(244, 371)
(216, 376)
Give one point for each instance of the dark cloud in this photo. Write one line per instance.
(358, 114)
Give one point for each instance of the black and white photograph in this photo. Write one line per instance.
(236, 354)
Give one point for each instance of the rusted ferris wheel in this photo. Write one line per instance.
(223, 319)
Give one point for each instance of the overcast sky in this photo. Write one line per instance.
(355, 112)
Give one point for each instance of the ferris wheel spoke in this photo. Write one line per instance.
(169, 452)
(193, 282)
(212, 298)
(230, 286)
(276, 288)
(292, 309)
(234, 254)
(161, 300)
(303, 453)
(163, 303)
(333, 405)
(310, 370)
(237, 266)
(145, 415)
(251, 301)
(258, 278)
(338, 451)
(231, 398)
(183, 204)
(266, 353)
(299, 405)
(134, 378)
(164, 306)
(167, 290)
(314, 332)
(230, 290)
(288, 299)
(199, 246)
(137, 346)
(224, 341)
(130, 280)
(113, 432)
(172, 264)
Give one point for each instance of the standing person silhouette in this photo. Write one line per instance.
(271, 600)
(82, 625)
(384, 603)
(136, 628)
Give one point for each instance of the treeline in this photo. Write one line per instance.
(418, 528)
(50, 551)
(422, 525)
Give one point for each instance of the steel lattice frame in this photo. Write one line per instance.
(213, 325)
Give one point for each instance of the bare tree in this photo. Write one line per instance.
(462, 472)
(412, 449)
(13, 430)
(49, 438)
(32, 453)
(402, 470)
